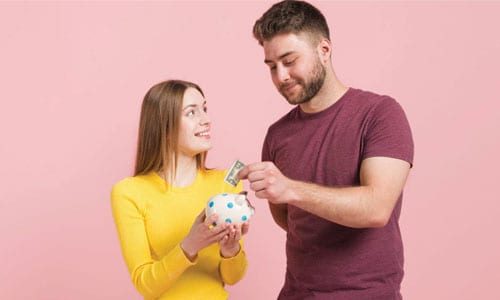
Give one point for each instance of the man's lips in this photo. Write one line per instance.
(288, 87)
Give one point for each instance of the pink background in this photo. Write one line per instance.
(72, 77)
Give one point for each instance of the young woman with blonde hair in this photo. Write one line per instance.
(170, 248)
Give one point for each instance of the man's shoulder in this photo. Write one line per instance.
(370, 105)
(358, 101)
(370, 99)
(283, 121)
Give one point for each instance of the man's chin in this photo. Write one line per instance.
(290, 99)
(293, 102)
(296, 100)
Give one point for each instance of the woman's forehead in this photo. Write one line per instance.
(193, 97)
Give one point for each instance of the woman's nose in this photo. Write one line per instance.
(204, 119)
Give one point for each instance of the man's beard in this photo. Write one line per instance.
(309, 89)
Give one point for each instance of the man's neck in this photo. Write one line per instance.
(330, 93)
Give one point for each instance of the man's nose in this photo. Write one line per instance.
(282, 74)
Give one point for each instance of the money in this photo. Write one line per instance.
(231, 176)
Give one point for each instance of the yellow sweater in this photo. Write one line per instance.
(152, 219)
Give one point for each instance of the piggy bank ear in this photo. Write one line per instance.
(240, 200)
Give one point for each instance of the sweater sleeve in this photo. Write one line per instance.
(233, 269)
(150, 277)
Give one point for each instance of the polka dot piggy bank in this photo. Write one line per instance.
(231, 208)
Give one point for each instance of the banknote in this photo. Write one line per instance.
(231, 176)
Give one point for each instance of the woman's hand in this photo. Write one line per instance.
(229, 244)
(203, 234)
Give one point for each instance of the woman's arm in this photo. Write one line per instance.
(232, 269)
(233, 263)
(150, 277)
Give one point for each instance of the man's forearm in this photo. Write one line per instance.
(350, 206)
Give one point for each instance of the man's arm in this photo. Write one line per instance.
(369, 205)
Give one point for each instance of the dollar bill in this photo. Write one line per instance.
(231, 176)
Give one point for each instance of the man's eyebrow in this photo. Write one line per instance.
(267, 61)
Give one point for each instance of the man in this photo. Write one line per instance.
(333, 168)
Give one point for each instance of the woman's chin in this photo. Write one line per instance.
(204, 148)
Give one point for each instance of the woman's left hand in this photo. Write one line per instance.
(230, 243)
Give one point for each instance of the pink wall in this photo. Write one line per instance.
(72, 77)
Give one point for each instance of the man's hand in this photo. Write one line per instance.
(267, 181)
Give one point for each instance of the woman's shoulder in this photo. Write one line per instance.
(130, 184)
(124, 183)
(214, 174)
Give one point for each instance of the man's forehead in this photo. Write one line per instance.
(284, 44)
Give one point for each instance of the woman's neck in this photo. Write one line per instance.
(185, 173)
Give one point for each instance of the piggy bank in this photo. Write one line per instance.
(231, 208)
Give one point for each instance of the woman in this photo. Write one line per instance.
(167, 255)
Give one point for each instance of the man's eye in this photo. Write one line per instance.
(205, 109)
(289, 62)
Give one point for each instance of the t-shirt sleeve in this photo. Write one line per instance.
(266, 149)
(388, 133)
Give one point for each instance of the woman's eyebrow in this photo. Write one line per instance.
(194, 105)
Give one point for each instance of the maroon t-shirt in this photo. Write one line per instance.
(326, 260)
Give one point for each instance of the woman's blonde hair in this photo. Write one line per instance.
(157, 145)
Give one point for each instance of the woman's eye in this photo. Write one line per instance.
(190, 113)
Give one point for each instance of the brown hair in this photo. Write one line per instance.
(157, 144)
(290, 17)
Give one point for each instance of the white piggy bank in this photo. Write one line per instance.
(230, 208)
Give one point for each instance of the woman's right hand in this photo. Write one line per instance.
(203, 234)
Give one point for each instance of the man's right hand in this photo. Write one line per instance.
(267, 181)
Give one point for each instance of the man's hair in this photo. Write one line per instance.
(291, 17)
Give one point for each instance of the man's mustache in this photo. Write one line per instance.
(285, 86)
